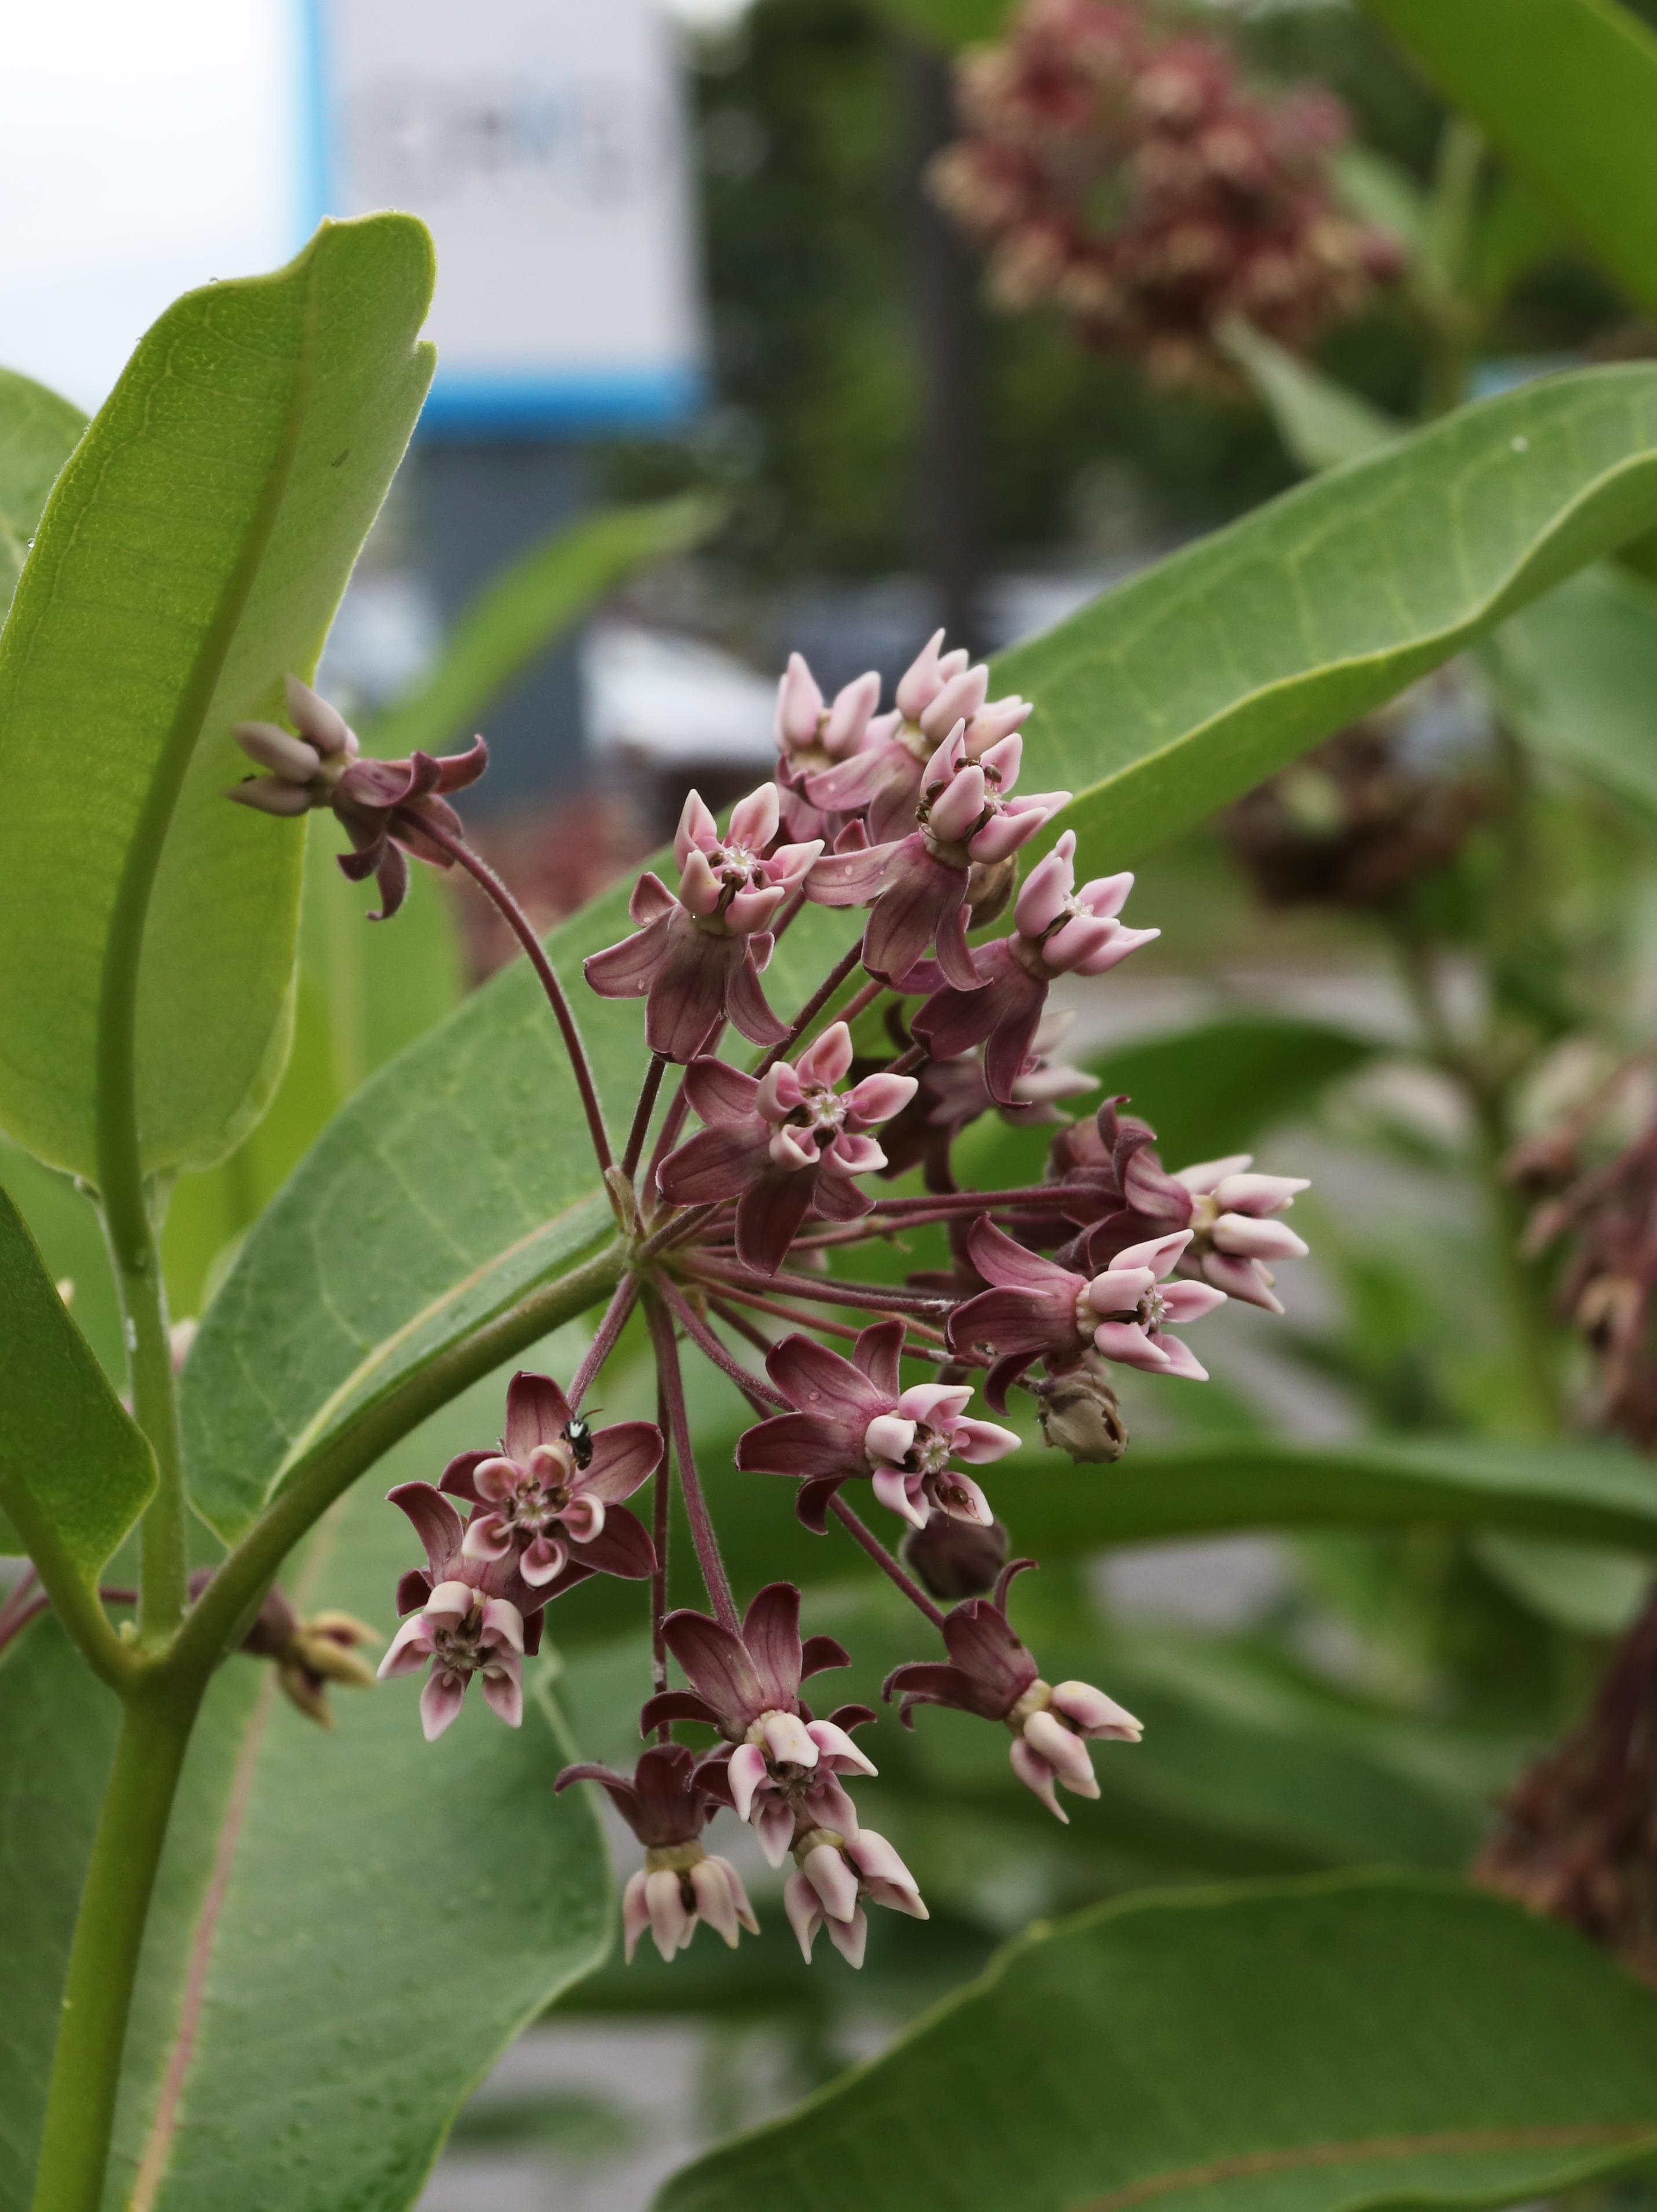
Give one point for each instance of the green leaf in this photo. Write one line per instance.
(1190, 683)
(512, 617)
(458, 1181)
(1567, 88)
(38, 433)
(363, 994)
(1288, 2048)
(1581, 1492)
(1382, 193)
(1320, 423)
(1512, 232)
(192, 551)
(74, 1471)
(349, 1926)
(1577, 678)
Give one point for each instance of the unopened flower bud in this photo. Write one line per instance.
(1080, 1413)
(954, 1558)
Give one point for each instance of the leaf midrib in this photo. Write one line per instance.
(1291, 2158)
(119, 1132)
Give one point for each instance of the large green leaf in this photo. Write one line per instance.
(1357, 2041)
(1186, 685)
(363, 994)
(1576, 677)
(538, 596)
(1567, 88)
(38, 433)
(349, 1926)
(459, 1181)
(192, 551)
(74, 1471)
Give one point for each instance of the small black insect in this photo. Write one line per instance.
(577, 1435)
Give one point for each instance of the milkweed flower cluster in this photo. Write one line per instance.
(739, 1238)
(1125, 174)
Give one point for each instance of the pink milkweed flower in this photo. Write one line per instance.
(784, 1764)
(1057, 931)
(462, 1632)
(696, 959)
(381, 804)
(990, 1672)
(918, 884)
(854, 1419)
(666, 1806)
(1139, 1305)
(834, 1877)
(882, 780)
(536, 1501)
(784, 1145)
(811, 737)
(1125, 1194)
(1036, 1309)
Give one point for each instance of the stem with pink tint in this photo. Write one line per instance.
(942, 1356)
(813, 1006)
(521, 927)
(603, 1341)
(884, 1559)
(714, 1578)
(646, 1107)
(759, 1393)
(661, 1526)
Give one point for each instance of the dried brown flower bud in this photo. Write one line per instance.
(1576, 1834)
(1079, 1412)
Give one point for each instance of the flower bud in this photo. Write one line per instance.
(1080, 1414)
(954, 1559)
(989, 888)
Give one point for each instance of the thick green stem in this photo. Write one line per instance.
(163, 1561)
(103, 1965)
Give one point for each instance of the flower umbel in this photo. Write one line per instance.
(696, 958)
(733, 1241)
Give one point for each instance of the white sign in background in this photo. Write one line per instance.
(148, 146)
(542, 141)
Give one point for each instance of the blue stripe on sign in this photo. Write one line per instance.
(477, 403)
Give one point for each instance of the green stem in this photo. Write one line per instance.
(163, 1560)
(109, 1931)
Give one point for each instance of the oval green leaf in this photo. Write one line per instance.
(1291, 2048)
(1186, 685)
(193, 552)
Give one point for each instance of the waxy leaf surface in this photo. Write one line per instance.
(192, 553)
(1289, 2048)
